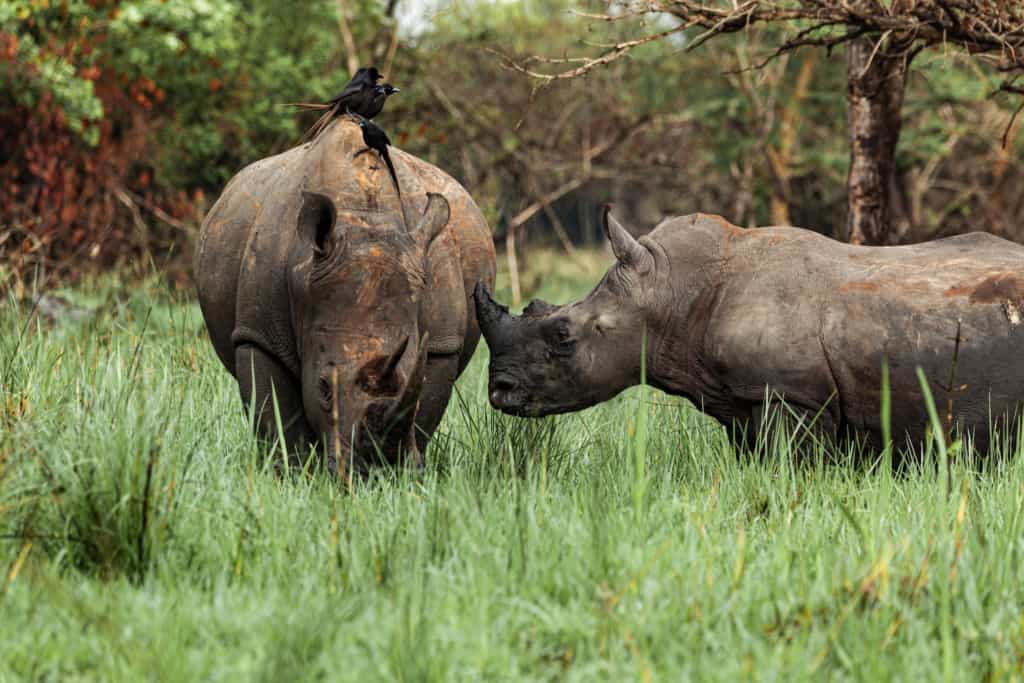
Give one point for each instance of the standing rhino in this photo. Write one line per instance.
(733, 315)
(323, 290)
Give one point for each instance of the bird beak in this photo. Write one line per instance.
(394, 90)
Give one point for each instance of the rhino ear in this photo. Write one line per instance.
(435, 218)
(627, 250)
(317, 216)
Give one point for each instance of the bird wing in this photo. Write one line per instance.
(359, 82)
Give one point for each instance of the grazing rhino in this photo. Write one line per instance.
(322, 289)
(734, 315)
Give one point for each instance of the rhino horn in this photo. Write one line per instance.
(414, 384)
(434, 219)
(396, 358)
(402, 415)
(626, 248)
(489, 313)
(390, 421)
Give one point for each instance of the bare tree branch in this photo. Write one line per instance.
(988, 28)
(560, 191)
(345, 26)
(616, 51)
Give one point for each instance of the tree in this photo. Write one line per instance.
(882, 39)
(124, 116)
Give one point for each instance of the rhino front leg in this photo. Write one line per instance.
(261, 380)
(442, 371)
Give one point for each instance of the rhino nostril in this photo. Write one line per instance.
(503, 392)
(503, 385)
(325, 393)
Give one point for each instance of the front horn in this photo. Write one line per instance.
(489, 313)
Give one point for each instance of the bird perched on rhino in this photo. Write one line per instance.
(380, 95)
(361, 96)
(376, 139)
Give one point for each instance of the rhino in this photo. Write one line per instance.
(341, 307)
(735, 319)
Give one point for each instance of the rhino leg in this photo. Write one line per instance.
(804, 426)
(261, 381)
(442, 371)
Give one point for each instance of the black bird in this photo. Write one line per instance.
(380, 95)
(361, 96)
(376, 139)
(358, 94)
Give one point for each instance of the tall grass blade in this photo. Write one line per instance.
(938, 433)
(641, 436)
(886, 417)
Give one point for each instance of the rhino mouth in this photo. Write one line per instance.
(520, 409)
(508, 396)
(535, 409)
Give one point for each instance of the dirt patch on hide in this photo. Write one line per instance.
(893, 286)
(734, 231)
(1002, 288)
(998, 288)
(859, 287)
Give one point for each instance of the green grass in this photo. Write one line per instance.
(143, 534)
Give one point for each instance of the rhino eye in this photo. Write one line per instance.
(564, 348)
(561, 342)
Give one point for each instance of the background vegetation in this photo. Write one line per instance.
(124, 118)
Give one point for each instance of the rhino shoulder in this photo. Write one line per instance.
(243, 196)
(694, 228)
(469, 244)
(973, 241)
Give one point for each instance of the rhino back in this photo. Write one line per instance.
(812, 319)
(952, 307)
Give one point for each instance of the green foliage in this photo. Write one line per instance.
(209, 73)
(34, 71)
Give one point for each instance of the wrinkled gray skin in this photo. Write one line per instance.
(321, 289)
(734, 315)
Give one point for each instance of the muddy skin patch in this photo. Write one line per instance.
(1003, 288)
(859, 287)
(993, 289)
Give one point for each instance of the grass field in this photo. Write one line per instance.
(145, 536)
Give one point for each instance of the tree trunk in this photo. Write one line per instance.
(780, 157)
(876, 77)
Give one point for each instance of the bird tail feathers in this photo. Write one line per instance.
(305, 105)
(320, 124)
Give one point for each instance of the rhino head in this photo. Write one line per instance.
(557, 359)
(355, 287)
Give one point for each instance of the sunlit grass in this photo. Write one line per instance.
(144, 534)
